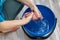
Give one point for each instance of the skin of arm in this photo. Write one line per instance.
(31, 4)
(14, 23)
(6, 25)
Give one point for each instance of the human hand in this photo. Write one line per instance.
(37, 14)
(26, 18)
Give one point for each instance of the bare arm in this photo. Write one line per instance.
(13, 23)
(6, 25)
(31, 4)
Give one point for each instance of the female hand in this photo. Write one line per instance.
(32, 6)
(26, 18)
(37, 14)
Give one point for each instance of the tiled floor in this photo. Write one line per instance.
(20, 35)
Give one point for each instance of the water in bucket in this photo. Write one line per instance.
(44, 26)
(39, 26)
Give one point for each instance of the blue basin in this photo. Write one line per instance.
(33, 27)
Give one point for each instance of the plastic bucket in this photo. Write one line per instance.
(31, 27)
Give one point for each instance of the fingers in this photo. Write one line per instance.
(26, 15)
(27, 19)
(38, 15)
(34, 17)
(29, 16)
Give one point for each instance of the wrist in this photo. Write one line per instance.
(33, 7)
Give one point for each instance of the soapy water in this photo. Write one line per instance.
(38, 26)
(44, 26)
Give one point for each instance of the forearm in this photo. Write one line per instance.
(6, 25)
(29, 3)
(32, 6)
(9, 24)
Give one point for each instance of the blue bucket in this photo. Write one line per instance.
(32, 28)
